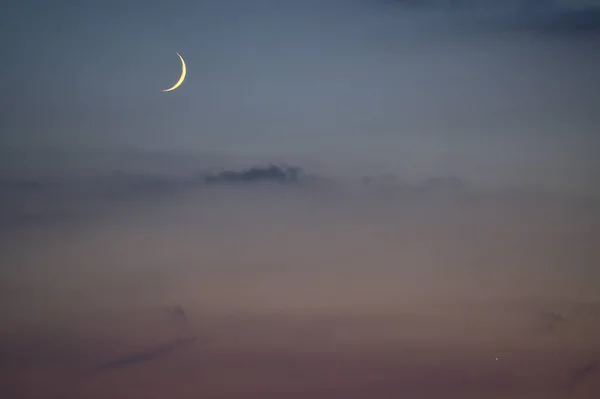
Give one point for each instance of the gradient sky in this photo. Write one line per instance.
(498, 92)
(452, 275)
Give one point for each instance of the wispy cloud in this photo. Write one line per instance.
(146, 356)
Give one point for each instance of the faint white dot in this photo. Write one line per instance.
(496, 358)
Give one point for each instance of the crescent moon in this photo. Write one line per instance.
(181, 78)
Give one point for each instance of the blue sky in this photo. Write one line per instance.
(485, 91)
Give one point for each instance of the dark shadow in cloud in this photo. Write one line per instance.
(146, 356)
(270, 173)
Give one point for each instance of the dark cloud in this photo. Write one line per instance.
(270, 173)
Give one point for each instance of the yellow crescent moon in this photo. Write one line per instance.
(182, 77)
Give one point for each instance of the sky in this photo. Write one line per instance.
(497, 92)
(345, 198)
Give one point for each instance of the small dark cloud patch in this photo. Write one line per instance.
(270, 173)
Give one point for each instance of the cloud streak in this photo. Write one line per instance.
(146, 356)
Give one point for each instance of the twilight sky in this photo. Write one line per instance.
(492, 91)
(428, 226)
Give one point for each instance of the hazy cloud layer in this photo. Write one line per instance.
(43, 200)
